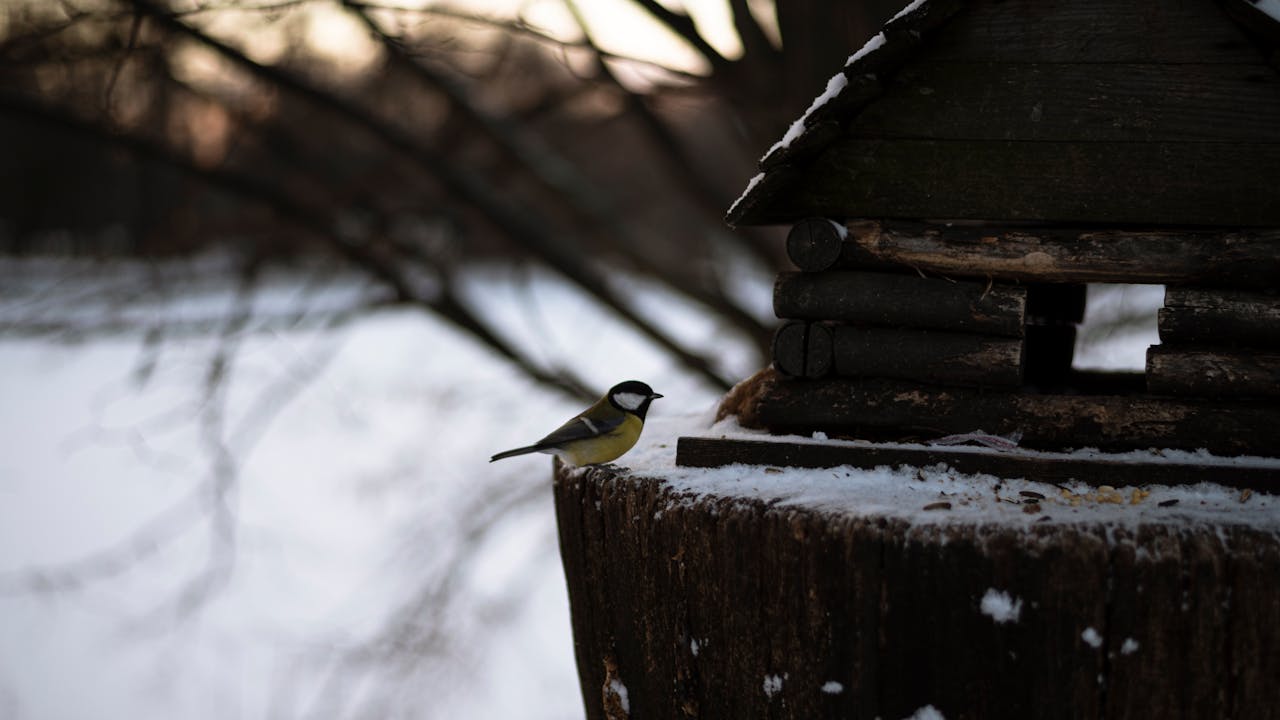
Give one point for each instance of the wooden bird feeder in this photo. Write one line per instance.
(964, 177)
(982, 163)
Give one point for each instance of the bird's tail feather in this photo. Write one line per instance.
(517, 451)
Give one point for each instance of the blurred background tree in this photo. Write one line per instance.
(406, 144)
(407, 139)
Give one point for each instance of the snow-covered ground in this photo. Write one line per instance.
(166, 552)
(359, 486)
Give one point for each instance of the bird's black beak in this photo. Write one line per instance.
(654, 396)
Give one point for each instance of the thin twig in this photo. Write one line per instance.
(519, 224)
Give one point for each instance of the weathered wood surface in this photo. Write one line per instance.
(1054, 467)
(815, 243)
(896, 300)
(1093, 32)
(1149, 183)
(876, 409)
(1211, 372)
(1168, 110)
(1078, 102)
(1085, 102)
(1220, 317)
(702, 607)
(814, 350)
(1055, 255)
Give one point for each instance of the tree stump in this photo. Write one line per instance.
(689, 605)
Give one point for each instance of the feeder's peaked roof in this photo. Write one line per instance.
(1065, 111)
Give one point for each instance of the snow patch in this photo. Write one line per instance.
(695, 647)
(902, 493)
(1091, 637)
(875, 43)
(835, 86)
(928, 712)
(831, 687)
(617, 688)
(915, 5)
(1001, 606)
(1129, 646)
(773, 684)
(751, 185)
(1270, 7)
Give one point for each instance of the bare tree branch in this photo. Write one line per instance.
(517, 26)
(755, 43)
(554, 172)
(519, 224)
(251, 189)
(680, 162)
(683, 26)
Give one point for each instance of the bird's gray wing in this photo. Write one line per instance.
(581, 428)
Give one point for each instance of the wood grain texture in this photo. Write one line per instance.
(718, 452)
(932, 356)
(875, 409)
(1211, 372)
(1093, 31)
(693, 603)
(1077, 102)
(1220, 318)
(1155, 183)
(1177, 256)
(895, 300)
(814, 243)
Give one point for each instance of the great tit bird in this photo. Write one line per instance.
(602, 432)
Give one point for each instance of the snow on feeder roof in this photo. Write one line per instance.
(957, 184)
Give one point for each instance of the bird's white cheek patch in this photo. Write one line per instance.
(630, 401)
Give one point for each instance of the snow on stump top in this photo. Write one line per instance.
(750, 591)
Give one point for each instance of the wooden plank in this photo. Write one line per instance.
(1215, 184)
(877, 409)
(1084, 102)
(901, 301)
(1045, 254)
(1042, 467)
(1097, 31)
(1220, 318)
(926, 355)
(1174, 370)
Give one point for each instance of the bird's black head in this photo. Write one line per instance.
(632, 396)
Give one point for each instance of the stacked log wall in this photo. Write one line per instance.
(1217, 343)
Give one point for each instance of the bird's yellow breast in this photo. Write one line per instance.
(603, 448)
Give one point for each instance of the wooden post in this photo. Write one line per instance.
(892, 300)
(814, 350)
(710, 607)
